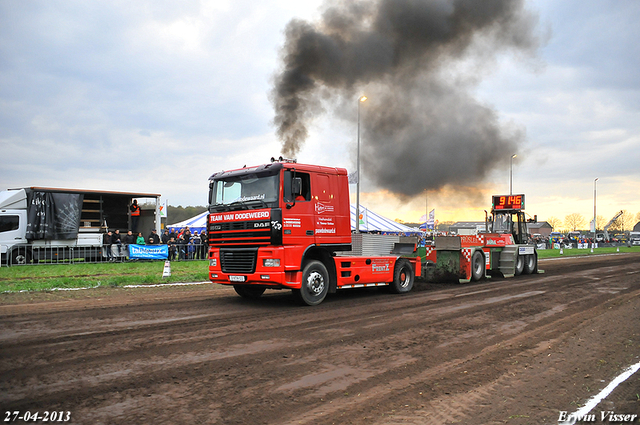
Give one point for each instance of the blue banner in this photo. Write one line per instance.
(149, 252)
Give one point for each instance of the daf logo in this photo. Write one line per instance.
(260, 225)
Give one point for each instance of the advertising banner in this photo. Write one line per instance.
(149, 252)
(52, 215)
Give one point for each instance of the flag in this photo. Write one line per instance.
(363, 217)
(353, 177)
(163, 210)
(431, 222)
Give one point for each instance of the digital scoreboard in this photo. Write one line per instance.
(508, 202)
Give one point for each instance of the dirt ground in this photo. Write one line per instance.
(514, 351)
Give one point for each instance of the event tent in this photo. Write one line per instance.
(198, 223)
(371, 222)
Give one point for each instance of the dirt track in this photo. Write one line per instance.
(514, 351)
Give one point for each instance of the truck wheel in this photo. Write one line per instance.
(20, 257)
(315, 284)
(402, 277)
(250, 292)
(530, 263)
(477, 266)
(519, 264)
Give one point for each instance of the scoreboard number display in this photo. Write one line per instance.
(508, 202)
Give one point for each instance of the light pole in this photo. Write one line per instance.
(511, 175)
(361, 100)
(594, 208)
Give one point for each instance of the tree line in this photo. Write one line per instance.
(576, 221)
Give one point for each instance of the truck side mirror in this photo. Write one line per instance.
(296, 186)
(296, 190)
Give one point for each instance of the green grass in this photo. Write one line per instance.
(555, 253)
(47, 277)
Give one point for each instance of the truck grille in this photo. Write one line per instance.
(240, 233)
(238, 260)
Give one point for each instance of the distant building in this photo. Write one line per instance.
(541, 227)
(467, 227)
(473, 227)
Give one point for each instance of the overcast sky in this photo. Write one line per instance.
(153, 96)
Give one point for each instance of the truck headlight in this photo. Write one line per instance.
(271, 262)
(213, 262)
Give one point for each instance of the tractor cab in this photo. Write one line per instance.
(508, 218)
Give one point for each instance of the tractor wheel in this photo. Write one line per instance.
(315, 284)
(477, 266)
(519, 264)
(403, 276)
(530, 263)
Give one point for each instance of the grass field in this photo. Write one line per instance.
(555, 253)
(49, 277)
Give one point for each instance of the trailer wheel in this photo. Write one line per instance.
(315, 284)
(477, 266)
(250, 292)
(530, 263)
(519, 264)
(402, 277)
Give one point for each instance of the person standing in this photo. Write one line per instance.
(154, 239)
(172, 249)
(205, 244)
(140, 239)
(128, 239)
(106, 242)
(135, 215)
(117, 241)
(197, 242)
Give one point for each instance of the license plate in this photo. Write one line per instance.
(237, 278)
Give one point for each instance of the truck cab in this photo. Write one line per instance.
(13, 224)
(281, 225)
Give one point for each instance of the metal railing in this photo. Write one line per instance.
(42, 255)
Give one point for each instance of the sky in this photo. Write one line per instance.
(155, 96)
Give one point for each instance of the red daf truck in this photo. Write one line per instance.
(285, 225)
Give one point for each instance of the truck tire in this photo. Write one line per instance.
(20, 257)
(477, 266)
(251, 292)
(519, 264)
(403, 276)
(315, 284)
(530, 263)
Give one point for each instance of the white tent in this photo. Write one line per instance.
(198, 223)
(371, 222)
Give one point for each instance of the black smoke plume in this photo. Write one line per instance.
(418, 62)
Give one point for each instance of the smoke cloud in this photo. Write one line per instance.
(418, 61)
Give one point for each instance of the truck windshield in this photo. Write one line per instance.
(244, 192)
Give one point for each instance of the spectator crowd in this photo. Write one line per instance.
(183, 245)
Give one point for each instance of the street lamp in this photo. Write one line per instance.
(361, 100)
(594, 208)
(511, 175)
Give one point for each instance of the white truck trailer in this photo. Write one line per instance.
(52, 224)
